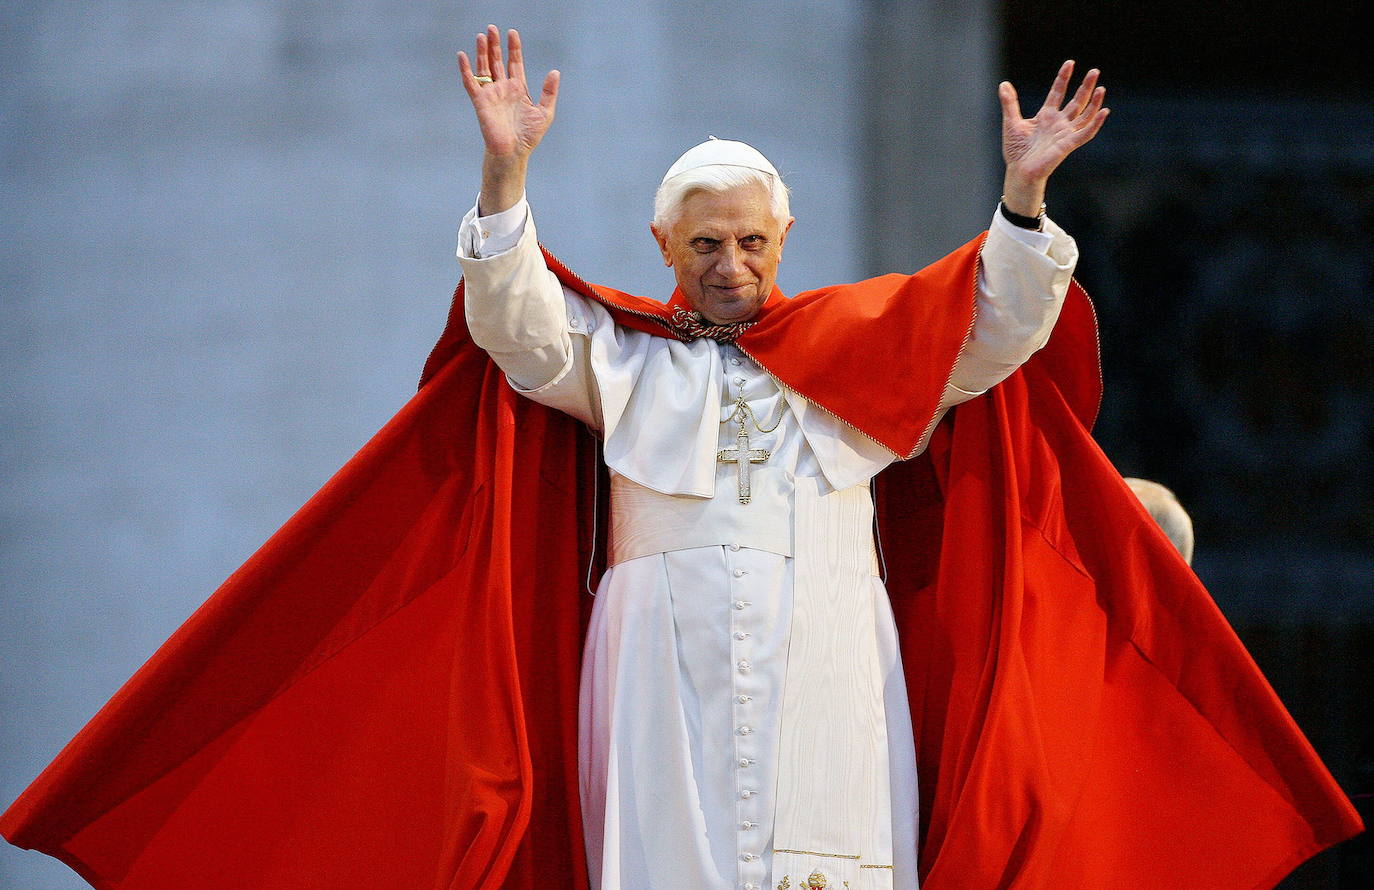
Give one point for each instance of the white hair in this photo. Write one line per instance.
(1164, 507)
(716, 178)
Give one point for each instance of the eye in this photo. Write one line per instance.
(753, 242)
(704, 245)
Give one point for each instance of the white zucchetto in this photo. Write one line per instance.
(725, 152)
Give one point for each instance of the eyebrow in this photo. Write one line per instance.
(703, 237)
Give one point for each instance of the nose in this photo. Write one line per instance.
(730, 261)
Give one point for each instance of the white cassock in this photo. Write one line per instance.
(743, 717)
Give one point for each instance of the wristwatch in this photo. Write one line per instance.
(1025, 222)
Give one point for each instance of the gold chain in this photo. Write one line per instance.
(743, 412)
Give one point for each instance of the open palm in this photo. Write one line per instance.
(1034, 147)
(511, 124)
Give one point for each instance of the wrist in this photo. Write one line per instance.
(1023, 197)
(503, 182)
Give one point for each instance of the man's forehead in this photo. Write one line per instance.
(741, 207)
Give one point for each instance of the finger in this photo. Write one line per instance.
(1094, 105)
(1083, 94)
(480, 56)
(548, 97)
(517, 57)
(1079, 99)
(1084, 136)
(498, 67)
(1087, 118)
(465, 74)
(1011, 105)
(1055, 97)
(1098, 120)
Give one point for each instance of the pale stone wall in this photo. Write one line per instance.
(227, 247)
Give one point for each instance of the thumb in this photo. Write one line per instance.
(548, 97)
(1011, 105)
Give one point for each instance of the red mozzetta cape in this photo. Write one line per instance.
(385, 695)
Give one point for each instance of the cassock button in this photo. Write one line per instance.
(741, 634)
(748, 857)
(746, 793)
(734, 361)
(746, 825)
(744, 699)
(744, 762)
(740, 573)
(573, 323)
(745, 730)
(744, 666)
(734, 546)
(739, 381)
(740, 604)
(748, 885)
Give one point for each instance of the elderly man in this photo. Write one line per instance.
(387, 694)
(743, 721)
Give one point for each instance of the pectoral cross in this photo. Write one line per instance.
(743, 455)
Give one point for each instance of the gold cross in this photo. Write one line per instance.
(743, 455)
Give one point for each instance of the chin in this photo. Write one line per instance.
(733, 315)
(734, 311)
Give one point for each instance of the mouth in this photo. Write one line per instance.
(730, 303)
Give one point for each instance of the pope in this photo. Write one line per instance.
(742, 669)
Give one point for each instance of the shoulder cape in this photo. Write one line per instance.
(385, 694)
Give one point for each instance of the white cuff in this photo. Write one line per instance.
(1038, 240)
(480, 237)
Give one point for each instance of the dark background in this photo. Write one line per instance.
(1225, 219)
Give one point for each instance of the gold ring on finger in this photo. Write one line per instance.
(483, 79)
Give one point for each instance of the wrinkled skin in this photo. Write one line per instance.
(724, 248)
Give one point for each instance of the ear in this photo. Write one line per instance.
(782, 239)
(662, 240)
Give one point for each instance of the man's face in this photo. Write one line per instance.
(724, 249)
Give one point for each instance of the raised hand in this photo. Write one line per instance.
(1034, 147)
(511, 124)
